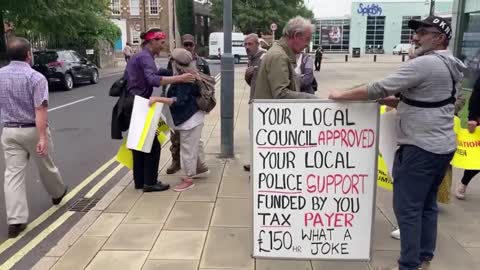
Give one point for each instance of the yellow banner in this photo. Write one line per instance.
(383, 178)
(125, 155)
(146, 128)
(467, 155)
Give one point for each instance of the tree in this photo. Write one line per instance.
(66, 21)
(253, 16)
(185, 16)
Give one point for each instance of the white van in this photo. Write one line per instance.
(215, 46)
(401, 49)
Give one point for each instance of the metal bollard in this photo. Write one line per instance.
(375, 58)
(346, 57)
(403, 57)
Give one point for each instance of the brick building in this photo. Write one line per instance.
(136, 16)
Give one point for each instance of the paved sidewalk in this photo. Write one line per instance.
(209, 226)
(118, 68)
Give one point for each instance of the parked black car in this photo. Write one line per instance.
(64, 67)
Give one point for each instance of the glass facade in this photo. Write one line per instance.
(471, 47)
(407, 33)
(375, 34)
(332, 35)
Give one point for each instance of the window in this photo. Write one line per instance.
(115, 7)
(375, 34)
(154, 7)
(332, 35)
(135, 7)
(471, 48)
(407, 33)
(135, 36)
(77, 57)
(201, 21)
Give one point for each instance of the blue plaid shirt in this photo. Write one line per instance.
(22, 89)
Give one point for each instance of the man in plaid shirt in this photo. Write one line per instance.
(24, 114)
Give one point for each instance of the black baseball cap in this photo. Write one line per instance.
(433, 21)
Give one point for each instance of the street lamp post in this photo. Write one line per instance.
(227, 97)
(432, 7)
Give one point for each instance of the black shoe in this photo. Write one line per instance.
(174, 167)
(246, 168)
(157, 187)
(15, 229)
(58, 200)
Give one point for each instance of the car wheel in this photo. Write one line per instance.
(237, 59)
(68, 82)
(94, 79)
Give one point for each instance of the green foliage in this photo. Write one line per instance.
(82, 21)
(252, 16)
(185, 16)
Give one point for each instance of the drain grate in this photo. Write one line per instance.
(83, 205)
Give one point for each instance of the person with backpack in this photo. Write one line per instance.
(142, 75)
(428, 88)
(188, 114)
(304, 69)
(188, 42)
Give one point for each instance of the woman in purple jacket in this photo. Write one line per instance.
(142, 76)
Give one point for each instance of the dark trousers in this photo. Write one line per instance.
(417, 176)
(318, 63)
(145, 166)
(468, 176)
(175, 147)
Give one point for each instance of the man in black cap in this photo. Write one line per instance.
(188, 42)
(428, 86)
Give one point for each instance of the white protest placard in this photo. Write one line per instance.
(314, 172)
(143, 124)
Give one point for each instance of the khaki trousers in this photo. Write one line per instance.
(191, 149)
(19, 145)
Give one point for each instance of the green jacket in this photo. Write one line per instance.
(276, 77)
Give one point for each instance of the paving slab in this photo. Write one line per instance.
(228, 248)
(190, 216)
(106, 224)
(233, 213)
(133, 237)
(170, 264)
(80, 254)
(150, 209)
(179, 245)
(115, 260)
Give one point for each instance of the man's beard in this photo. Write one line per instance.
(424, 49)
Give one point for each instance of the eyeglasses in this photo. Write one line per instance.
(422, 32)
(188, 44)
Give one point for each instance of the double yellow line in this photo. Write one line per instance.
(47, 231)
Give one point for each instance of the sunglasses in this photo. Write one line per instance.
(422, 32)
(188, 44)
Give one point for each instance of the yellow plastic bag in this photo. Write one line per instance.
(125, 155)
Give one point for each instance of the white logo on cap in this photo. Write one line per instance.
(436, 21)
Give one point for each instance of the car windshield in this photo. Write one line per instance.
(43, 58)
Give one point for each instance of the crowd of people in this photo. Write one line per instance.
(426, 92)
